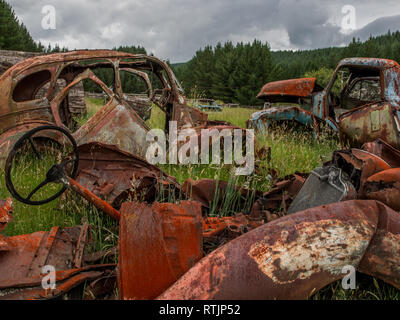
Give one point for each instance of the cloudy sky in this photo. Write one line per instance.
(175, 29)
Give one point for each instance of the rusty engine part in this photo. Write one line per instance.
(295, 256)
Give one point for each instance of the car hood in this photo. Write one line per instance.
(274, 91)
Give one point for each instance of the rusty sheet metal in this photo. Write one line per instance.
(295, 256)
(384, 186)
(358, 165)
(261, 120)
(302, 87)
(278, 199)
(369, 62)
(5, 217)
(157, 244)
(206, 191)
(66, 280)
(118, 125)
(93, 199)
(229, 227)
(369, 123)
(115, 175)
(323, 186)
(21, 265)
(385, 151)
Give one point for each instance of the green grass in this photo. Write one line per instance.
(291, 151)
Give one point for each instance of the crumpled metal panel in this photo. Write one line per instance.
(262, 119)
(5, 217)
(368, 123)
(66, 280)
(295, 256)
(358, 165)
(157, 244)
(325, 185)
(115, 124)
(279, 198)
(206, 191)
(384, 186)
(21, 265)
(114, 175)
(385, 151)
(233, 226)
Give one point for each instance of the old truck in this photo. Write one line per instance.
(367, 106)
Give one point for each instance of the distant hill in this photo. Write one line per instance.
(377, 27)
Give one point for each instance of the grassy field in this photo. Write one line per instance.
(291, 151)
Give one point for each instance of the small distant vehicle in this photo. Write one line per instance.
(207, 105)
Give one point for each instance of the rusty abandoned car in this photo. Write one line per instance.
(345, 213)
(365, 109)
(118, 123)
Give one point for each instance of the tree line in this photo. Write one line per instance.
(13, 34)
(228, 72)
(236, 73)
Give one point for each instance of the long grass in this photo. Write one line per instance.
(291, 151)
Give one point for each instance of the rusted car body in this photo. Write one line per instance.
(117, 123)
(367, 108)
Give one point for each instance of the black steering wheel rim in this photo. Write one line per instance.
(17, 146)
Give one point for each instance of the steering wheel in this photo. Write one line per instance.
(56, 174)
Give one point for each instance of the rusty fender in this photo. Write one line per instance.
(157, 244)
(295, 256)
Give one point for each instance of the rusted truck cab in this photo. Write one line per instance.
(361, 102)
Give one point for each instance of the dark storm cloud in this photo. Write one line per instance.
(175, 29)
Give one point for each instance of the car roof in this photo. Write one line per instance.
(67, 57)
(369, 62)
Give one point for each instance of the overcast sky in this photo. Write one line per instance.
(175, 29)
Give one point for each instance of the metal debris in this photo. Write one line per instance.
(28, 254)
(324, 186)
(157, 244)
(295, 256)
(116, 176)
(5, 217)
